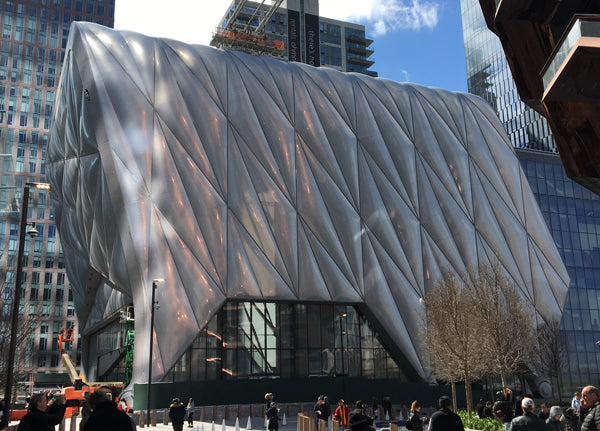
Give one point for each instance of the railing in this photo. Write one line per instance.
(580, 26)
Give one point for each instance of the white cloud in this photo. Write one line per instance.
(193, 21)
(384, 16)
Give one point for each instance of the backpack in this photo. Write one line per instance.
(409, 423)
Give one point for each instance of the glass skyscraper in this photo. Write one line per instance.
(571, 211)
(32, 47)
(489, 77)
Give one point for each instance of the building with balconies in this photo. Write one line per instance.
(305, 36)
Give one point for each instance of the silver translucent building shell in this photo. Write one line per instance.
(240, 177)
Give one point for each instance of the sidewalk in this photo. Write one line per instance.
(257, 424)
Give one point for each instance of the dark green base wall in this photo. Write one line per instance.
(211, 393)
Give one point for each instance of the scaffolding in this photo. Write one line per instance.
(242, 31)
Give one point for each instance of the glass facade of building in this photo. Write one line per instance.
(34, 35)
(257, 339)
(571, 211)
(573, 215)
(489, 77)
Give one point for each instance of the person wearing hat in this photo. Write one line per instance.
(445, 419)
(341, 414)
(528, 421)
(553, 421)
(177, 414)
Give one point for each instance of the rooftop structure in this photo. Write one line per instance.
(294, 31)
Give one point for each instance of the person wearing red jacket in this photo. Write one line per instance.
(341, 414)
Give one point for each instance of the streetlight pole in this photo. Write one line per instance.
(152, 306)
(342, 355)
(14, 322)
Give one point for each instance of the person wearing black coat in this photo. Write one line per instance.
(415, 419)
(40, 417)
(273, 418)
(528, 421)
(177, 414)
(570, 420)
(445, 419)
(106, 415)
(590, 409)
(503, 408)
(358, 420)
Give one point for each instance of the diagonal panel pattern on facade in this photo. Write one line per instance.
(236, 177)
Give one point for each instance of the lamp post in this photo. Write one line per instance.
(14, 322)
(152, 307)
(342, 355)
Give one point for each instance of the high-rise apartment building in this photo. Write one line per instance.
(571, 212)
(306, 36)
(32, 47)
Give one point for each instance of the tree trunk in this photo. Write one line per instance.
(468, 392)
(454, 406)
(491, 386)
(559, 390)
(504, 385)
(522, 381)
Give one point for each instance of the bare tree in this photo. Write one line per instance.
(503, 319)
(451, 333)
(552, 352)
(27, 325)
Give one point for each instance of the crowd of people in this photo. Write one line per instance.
(100, 412)
(518, 413)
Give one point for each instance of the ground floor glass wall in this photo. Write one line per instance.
(256, 340)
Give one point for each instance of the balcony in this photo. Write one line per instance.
(356, 49)
(360, 61)
(572, 72)
(360, 40)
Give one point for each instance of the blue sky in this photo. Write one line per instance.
(417, 41)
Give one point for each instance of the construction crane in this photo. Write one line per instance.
(76, 393)
(242, 34)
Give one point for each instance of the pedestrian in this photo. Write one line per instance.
(269, 398)
(415, 421)
(445, 419)
(479, 408)
(85, 410)
(106, 415)
(576, 402)
(553, 421)
(326, 408)
(43, 413)
(358, 420)
(487, 410)
(177, 414)
(570, 420)
(375, 407)
(528, 421)
(589, 412)
(273, 417)
(503, 409)
(341, 414)
(190, 413)
(319, 410)
(543, 413)
(386, 404)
